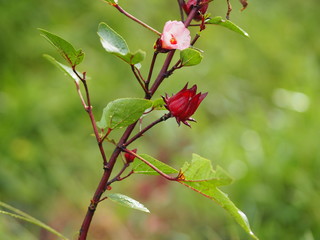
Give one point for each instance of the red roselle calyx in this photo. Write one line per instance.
(184, 104)
(187, 7)
(129, 157)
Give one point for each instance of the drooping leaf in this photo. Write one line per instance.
(200, 177)
(67, 51)
(190, 57)
(67, 70)
(113, 43)
(227, 24)
(16, 213)
(126, 201)
(123, 112)
(142, 168)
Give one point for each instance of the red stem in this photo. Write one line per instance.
(102, 184)
(162, 74)
(135, 19)
(139, 134)
(88, 109)
(120, 146)
(166, 176)
(139, 78)
(153, 61)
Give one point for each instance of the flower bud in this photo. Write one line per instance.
(129, 157)
(174, 36)
(187, 7)
(183, 104)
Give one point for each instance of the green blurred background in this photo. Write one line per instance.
(260, 122)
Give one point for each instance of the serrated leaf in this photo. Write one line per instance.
(200, 177)
(227, 24)
(123, 112)
(115, 44)
(67, 70)
(67, 51)
(190, 57)
(126, 201)
(142, 168)
(200, 170)
(16, 213)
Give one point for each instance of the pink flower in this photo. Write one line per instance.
(175, 36)
(183, 104)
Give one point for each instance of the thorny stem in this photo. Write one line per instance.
(135, 19)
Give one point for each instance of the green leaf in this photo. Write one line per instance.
(158, 104)
(200, 177)
(137, 57)
(113, 43)
(126, 201)
(67, 51)
(123, 112)
(200, 171)
(142, 168)
(26, 217)
(228, 24)
(67, 70)
(190, 57)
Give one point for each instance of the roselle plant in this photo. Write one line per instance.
(126, 114)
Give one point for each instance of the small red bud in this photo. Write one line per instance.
(129, 157)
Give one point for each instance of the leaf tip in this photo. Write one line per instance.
(246, 34)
